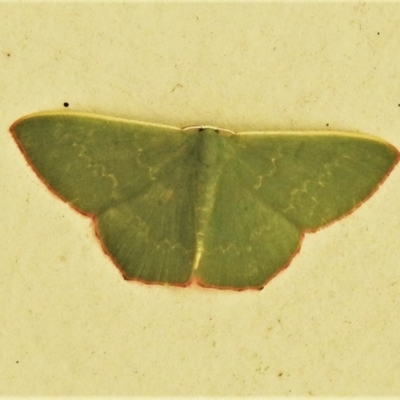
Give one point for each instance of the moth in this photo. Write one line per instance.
(175, 206)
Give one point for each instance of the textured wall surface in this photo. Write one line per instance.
(327, 325)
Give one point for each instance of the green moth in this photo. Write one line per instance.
(201, 204)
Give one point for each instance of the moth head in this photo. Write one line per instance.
(203, 128)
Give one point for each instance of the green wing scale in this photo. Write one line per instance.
(175, 206)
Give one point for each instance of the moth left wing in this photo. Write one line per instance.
(313, 178)
(275, 187)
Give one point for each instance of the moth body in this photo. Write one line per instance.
(211, 158)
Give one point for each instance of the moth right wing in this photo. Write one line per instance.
(134, 179)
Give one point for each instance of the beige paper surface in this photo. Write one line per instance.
(69, 323)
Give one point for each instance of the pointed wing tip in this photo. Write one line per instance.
(37, 114)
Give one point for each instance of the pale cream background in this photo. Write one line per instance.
(328, 325)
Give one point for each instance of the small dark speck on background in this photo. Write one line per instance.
(327, 124)
(178, 85)
(378, 33)
(66, 104)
